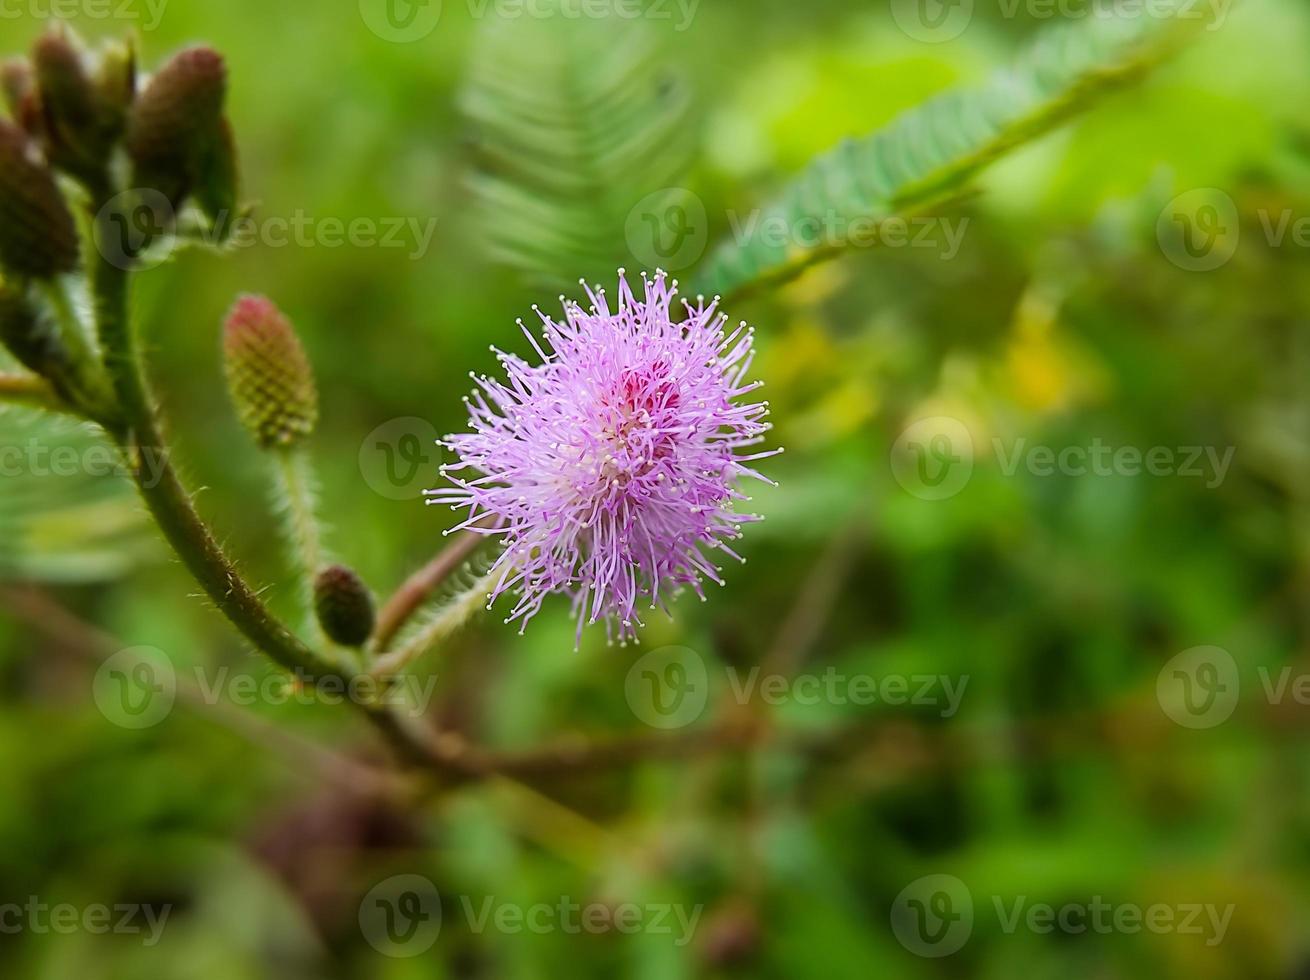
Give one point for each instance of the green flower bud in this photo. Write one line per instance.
(116, 82)
(344, 606)
(37, 234)
(268, 374)
(176, 127)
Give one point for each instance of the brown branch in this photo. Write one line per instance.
(29, 390)
(419, 586)
(73, 635)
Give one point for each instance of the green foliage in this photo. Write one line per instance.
(66, 513)
(574, 122)
(928, 154)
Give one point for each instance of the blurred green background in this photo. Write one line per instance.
(1056, 603)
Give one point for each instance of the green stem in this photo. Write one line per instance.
(167, 499)
(296, 486)
(90, 389)
(441, 625)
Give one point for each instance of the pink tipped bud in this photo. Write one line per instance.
(268, 374)
(344, 606)
(176, 125)
(37, 234)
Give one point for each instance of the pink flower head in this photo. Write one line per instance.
(611, 467)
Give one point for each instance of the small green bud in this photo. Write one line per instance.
(37, 234)
(116, 82)
(176, 125)
(344, 606)
(268, 374)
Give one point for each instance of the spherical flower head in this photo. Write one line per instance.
(611, 468)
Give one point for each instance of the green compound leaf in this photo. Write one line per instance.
(574, 122)
(928, 155)
(67, 514)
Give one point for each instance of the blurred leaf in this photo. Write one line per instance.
(928, 154)
(575, 121)
(66, 514)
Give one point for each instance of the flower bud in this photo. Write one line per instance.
(344, 606)
(19, 84)
(176, 124)
(78, 131)
(216, 182)
(37, 234)
(116, 82)
(268, 374)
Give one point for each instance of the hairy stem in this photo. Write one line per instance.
(419, 586)
(297, 501)
(443, 623)
(147, 455)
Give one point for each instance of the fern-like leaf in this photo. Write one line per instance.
(928, 154)
(574, 122)
(66, 512)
